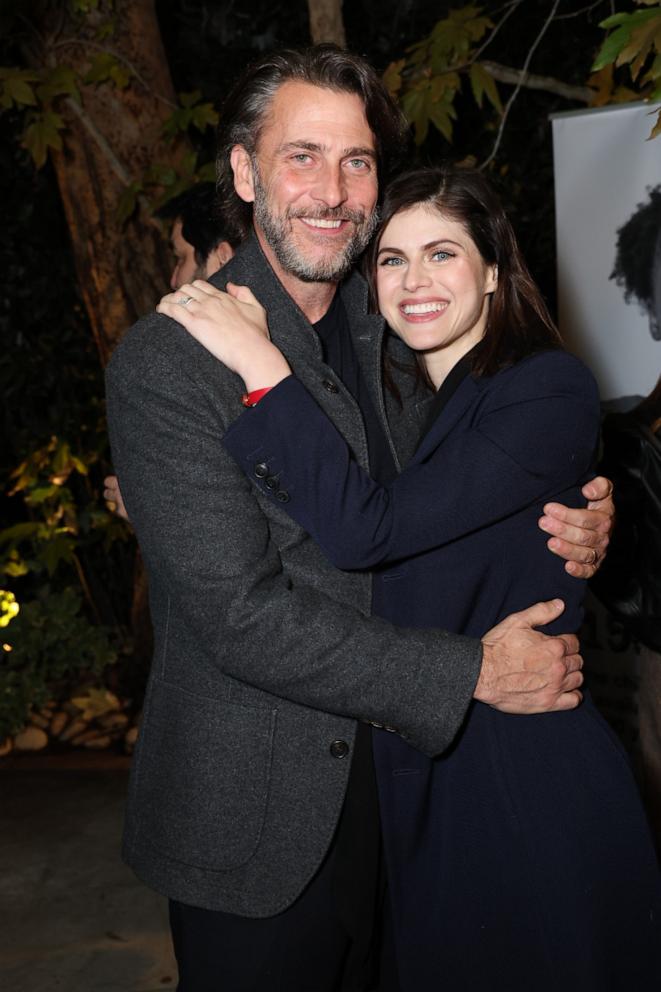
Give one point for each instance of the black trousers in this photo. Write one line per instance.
(303, 949)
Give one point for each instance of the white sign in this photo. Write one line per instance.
(604, 169)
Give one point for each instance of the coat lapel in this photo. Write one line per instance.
(462, 400)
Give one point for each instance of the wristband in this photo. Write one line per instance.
(253, 398)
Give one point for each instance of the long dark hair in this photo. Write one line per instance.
(518, 321)
(247, 106)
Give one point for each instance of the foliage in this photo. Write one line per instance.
(634, 40)
(428, 80)
(49, 648)
(41, 94)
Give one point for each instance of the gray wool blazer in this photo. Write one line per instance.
(265, 655)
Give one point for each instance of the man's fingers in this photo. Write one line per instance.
(564, 520)
(537, 615)
(598, 488)
(566, 701)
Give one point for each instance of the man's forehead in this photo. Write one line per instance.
(304, 113)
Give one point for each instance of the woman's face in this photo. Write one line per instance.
(433, 286)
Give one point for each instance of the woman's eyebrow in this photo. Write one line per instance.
(430, 244)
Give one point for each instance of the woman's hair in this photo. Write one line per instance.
(247, 107)
(518, 321)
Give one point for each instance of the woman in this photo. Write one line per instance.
(520, 860)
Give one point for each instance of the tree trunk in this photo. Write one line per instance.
(326, 23)
(111, 140)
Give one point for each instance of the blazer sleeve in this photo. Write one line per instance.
(207, 540)
(533, 434)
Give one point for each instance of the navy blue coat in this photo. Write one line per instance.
(520, 859)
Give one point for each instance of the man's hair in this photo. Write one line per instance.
(247, 107)
(518, 321)
(637, 241)
(203, 224)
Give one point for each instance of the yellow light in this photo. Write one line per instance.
(6, 647)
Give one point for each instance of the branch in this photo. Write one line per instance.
(519, 77)
(117, 167)
(68, 42)
(524, 73)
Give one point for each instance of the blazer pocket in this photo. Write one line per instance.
(203, 777)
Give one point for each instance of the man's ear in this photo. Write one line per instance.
(218, 257)
(242, 169)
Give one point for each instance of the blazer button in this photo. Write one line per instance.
(282, 496)
(271, 482)
(339, 749)
(329, 386)
(261, 470)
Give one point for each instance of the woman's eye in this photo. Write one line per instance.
(392, 260)
(440, 256)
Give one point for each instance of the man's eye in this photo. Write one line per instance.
(358, 164)
(302, 157)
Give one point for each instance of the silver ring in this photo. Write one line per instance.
(184, 301)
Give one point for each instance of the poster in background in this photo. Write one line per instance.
(605, 169)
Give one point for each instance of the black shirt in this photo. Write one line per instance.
(357, 870)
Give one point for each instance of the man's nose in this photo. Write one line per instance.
(331, 187)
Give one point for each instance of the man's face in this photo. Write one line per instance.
(186, 268)
(313, 181)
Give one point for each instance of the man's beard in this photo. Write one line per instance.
(278, 233)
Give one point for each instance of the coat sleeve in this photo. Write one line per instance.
(207, 541)
(533, 434)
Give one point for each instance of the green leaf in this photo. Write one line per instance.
(41, 134)
(189, 99)
(611, 48)
(20, 92)
(61, 81)
(207, 172)
(203, 116)
(19, 532)
(656, 130)
(392, 77)
(59, 549)
(120, 76)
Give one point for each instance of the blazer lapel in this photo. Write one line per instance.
(460, 402)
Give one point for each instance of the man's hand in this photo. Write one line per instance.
(525, 671)
(113, 497)
(582, 536)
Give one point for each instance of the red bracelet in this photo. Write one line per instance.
(253, 398)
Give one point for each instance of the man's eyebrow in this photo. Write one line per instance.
(313, 146)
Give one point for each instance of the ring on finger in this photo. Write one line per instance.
(594, 559)
(184, 301)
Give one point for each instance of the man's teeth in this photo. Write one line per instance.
(318, 222)
(423, 307)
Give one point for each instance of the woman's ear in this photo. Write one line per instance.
(242, 169)
(492, 279)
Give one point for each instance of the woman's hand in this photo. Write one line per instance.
(232, 326)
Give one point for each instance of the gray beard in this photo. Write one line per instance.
(278, 234)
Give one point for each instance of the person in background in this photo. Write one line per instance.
(202, 238)
(202, 241)
(630, 586)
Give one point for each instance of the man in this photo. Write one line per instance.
(252, 801)
(202, 242)
(201, 237)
